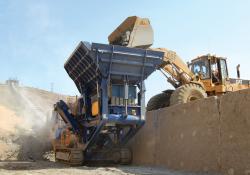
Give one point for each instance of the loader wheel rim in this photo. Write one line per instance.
(192, 98)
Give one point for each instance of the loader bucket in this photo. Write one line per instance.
(133, 32)
(90, 62)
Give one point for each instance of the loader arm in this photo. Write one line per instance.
(178, 71)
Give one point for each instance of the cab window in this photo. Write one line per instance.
(201, 68)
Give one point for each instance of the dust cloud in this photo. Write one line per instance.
(25, 115)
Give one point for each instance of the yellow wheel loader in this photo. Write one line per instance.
(204, 76)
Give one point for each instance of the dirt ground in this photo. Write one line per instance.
(52, 168)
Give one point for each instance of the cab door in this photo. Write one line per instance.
(223, 71)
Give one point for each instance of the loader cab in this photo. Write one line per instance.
(210, 69)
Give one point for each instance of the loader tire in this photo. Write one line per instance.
(187, 93)
(158, 101)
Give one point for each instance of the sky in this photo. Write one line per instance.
(37, 36)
